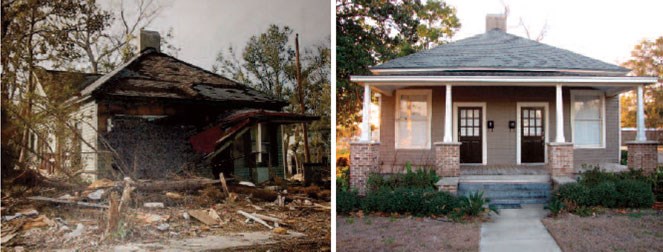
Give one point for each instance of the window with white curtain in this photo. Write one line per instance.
(588, 118)
(413, 115)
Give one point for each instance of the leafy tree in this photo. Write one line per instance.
(646, 60)
(30, 30)
(267, 62)
(369, 32)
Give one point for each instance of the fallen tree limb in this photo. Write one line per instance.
(80, 203)
(255, 218)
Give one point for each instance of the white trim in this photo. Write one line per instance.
(601, 94)
(484, 111)
(429, 95)
(619, 123)
(546, 112)
(441, 69)
(379, 80)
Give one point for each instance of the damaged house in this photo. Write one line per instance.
(156, 115)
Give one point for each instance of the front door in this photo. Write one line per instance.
(469, 134)
(532, 135)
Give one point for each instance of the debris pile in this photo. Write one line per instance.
(107, 214)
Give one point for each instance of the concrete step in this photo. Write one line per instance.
(508, 191)
(504, 186)
(507, 194)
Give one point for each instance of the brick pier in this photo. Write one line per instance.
(642, 155)
(364, 160)
(560, 159)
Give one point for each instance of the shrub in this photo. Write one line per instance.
(555, 206)
(624, 157)
(634, 194)
(473, 204)
(574, 192)
(604, 194)
(342, 176)
(619, 193)
(346, 201)
(421, 178)
(416, 201)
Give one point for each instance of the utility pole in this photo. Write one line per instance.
(300, 90)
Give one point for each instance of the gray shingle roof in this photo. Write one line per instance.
(498, 50)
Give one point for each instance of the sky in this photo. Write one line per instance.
(202, 28)
(604, 30)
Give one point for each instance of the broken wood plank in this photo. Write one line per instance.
(80, 203)
(203, 217)
(269, 218)
(223, 183)
(113, 213)
(255, 218)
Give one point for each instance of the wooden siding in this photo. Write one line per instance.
(501, 105)
(88, 129)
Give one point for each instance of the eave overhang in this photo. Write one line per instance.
(613, 85)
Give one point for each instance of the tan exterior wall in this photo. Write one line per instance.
(501, 103)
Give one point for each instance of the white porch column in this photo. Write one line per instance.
(366, 115)
(447, 116)
(559, 115)
(640, 134)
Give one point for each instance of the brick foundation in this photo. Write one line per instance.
(560, 159)
(642, 155)
(364, 160)
(447, 159)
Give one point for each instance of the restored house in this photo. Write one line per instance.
(156, 115)
(496, 101)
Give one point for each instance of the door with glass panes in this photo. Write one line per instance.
(469, 134)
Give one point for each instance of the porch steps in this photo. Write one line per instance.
(509, 191)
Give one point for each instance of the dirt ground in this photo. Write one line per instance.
(373, 233)
(612, 231)
(307, 222)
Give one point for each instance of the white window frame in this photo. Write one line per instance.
(484, 137)
(601, 94)
(429, 101)
(519, 106)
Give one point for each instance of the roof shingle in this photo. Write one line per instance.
(495, 50)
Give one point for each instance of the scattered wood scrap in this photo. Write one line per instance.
(80, 203)
(225, 186)
(203, 217)
(255, 218)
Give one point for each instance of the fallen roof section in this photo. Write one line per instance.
(214, 139)
(152, 74)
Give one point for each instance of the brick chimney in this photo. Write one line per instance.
(149, 39)
(496, 21)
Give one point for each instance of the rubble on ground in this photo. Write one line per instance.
(164, 212)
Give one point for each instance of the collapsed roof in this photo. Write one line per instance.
(152, 74)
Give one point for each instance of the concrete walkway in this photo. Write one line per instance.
(517, 230)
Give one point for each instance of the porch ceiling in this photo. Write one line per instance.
(611, 85)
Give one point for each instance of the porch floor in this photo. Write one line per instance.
(534, 169)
